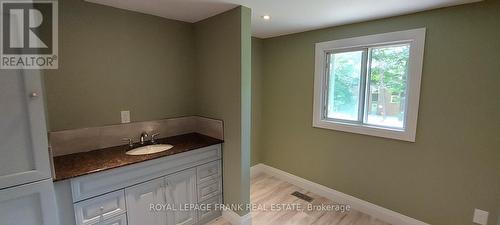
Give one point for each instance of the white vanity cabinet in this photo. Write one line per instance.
(156, 192)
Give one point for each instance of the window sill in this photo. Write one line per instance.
(404, 135)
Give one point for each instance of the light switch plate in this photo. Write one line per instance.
(125, 116)
(480, 217)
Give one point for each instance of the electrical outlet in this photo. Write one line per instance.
(125, 116)
(480, 217)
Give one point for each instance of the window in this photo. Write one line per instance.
(370, 85)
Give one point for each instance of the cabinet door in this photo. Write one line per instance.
(140, 198)
(181, 192)
(30, 204)
(23, 134)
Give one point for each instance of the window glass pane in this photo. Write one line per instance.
(387, 86)
(343, 85)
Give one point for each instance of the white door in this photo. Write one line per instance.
(23, 135)
(29, 204)
(181, 192)
(140, 199)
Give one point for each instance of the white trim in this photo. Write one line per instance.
(416, 39)
(376, 211)
(235, 219)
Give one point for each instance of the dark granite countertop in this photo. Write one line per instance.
(83, 163)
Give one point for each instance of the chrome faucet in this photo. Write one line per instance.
(144, 135)
(153, 138)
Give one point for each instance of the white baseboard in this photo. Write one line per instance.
(379, 212)
(236, 219)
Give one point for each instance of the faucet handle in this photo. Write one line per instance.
(130, 142)
(153, 137)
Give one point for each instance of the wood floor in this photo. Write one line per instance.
(267, 192)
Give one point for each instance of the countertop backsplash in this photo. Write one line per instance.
(86, 139)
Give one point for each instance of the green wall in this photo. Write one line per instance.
(223, 81)
(257, 48)
(452, 168)
(113, 60)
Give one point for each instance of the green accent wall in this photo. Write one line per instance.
(452, 168)
(223, 45)
(113, 60)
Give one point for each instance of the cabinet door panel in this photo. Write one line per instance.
(23, 134)
(181, 192)
(139, 199)
(30, 204)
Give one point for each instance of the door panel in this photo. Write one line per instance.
(180, 192)
(139, 199)
(23, 133)
(32, 204)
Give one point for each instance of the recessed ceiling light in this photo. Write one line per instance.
(266, 17)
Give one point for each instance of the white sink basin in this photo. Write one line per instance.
(149, 149)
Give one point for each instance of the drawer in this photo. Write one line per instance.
(100, 209)
(212, 211)
(209, 189)
(208, 171)
(119, 220)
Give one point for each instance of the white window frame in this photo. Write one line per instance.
(416, 39)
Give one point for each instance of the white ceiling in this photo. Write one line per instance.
(287, 16)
